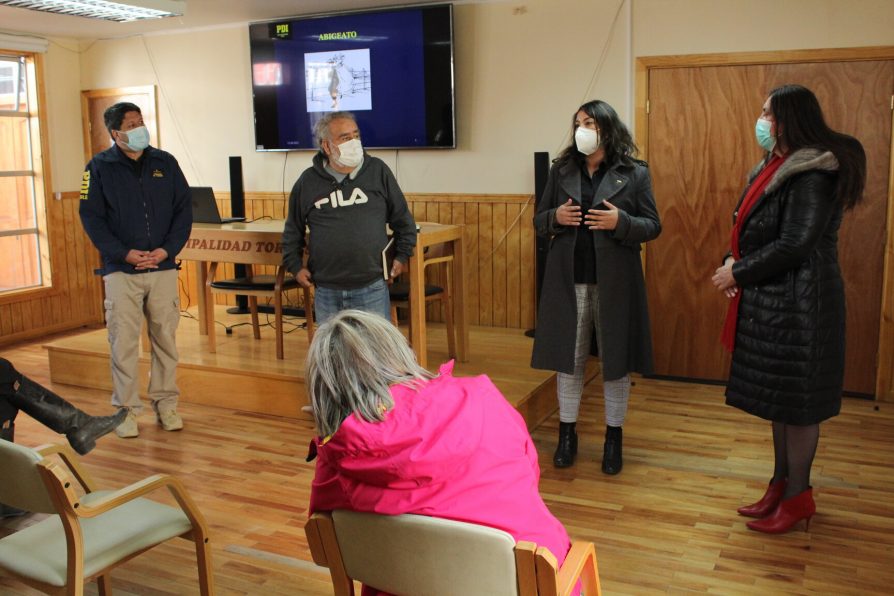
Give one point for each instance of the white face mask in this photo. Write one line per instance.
(587, 140)
(350, 153)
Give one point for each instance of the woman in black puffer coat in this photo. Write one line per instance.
(785, 325)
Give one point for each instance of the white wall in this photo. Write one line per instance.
(62, 83)
(522, 68)
(667, 27)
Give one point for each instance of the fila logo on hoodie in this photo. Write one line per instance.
(337, 199)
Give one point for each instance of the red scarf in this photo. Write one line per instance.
(754, 193)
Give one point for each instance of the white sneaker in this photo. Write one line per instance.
(128, 429)
(170, 420)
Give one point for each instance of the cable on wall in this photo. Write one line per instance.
(170, 108)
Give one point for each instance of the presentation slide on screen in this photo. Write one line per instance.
(338, 81)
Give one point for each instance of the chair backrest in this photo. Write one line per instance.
(415, 554)
(22, 485)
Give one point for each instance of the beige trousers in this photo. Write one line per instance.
(130, 297)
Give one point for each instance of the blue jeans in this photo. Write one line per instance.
(373, 298)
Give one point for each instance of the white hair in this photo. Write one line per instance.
(353, 360)
(321, 126)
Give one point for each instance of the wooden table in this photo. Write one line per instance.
(260, 243)
(254, 243)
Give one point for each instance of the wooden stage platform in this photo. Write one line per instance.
(245, 375)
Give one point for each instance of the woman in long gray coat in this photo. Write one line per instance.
(785, 324)
(597, 209)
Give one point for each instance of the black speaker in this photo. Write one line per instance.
(237, 189)
(541, 246)
(237, 209)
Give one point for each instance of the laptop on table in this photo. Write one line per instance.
(204, 207)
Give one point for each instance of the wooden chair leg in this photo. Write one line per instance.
(104, 584)
(394, 316)
(255, 324)
(448, 320)
(209, 309)
(206, 574)
(277, 309)
(448, 310)
(211, 326)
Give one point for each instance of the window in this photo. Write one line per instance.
(22, 218)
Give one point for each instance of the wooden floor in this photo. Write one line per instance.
(666, 524)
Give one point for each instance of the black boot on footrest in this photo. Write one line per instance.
(51, 410)
(611, 451)
(567, 448)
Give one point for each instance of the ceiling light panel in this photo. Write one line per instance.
(123, 11)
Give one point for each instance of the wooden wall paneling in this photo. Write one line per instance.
(25, 314)
(75, 277)
(35, 319)
(486, 264)
(498, 250)
(65, 236)
(470, 242)
(82, 260)
(513, 263)
(5, 320)
(527, 267)
(15, 315)
(39, 318)
(58, 252)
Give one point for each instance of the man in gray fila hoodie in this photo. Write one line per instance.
(343, 202)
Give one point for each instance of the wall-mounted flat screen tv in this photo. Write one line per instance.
(393, 69)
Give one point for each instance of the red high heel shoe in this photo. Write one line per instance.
(787, 514)
(767, 503)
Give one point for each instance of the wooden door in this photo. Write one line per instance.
(700, 148)
(94, 103)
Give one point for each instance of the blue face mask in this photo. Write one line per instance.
(764, 137)
(137, 138)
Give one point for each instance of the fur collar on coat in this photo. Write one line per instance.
(802, 160)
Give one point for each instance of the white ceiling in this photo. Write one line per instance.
(199, 14)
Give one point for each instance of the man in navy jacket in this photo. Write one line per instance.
(135, 207)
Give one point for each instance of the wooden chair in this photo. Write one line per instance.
(90, 532)
(415, 554)
(399, 292)
(253, 286)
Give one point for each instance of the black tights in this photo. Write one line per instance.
(794, 448)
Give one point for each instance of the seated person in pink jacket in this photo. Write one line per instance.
(394, 438)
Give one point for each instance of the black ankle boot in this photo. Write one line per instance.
(611, 451)
(567, 448)
(51, 410)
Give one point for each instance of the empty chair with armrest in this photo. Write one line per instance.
(89, 532)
